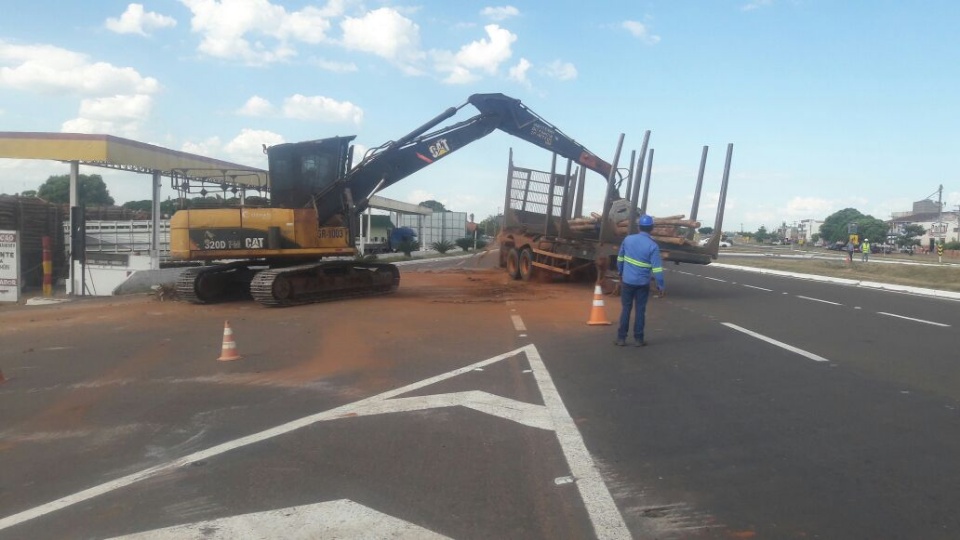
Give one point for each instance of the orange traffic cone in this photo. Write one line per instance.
(598, 315)
(229, 351)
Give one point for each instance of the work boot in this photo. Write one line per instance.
(620, 343)
(639, 343)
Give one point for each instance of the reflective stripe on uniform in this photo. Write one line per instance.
(635, 262)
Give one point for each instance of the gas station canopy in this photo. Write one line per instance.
(128, 155)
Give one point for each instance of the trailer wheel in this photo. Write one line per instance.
(513, 263)
(527, 268)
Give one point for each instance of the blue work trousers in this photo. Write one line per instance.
(633, 298)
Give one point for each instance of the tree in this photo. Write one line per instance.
(834, 228)
(436, 206)
(144, 206)
(909, 235)
(91, 190)
(490, 226)
(871, 228)
(762, 234)
(706, 231)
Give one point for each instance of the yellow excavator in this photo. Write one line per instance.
(316, 199)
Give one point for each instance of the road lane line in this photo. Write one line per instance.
(780, 344)
(912, 319)
(334, 519)
(601, 508)
(604, 515)
(758, 288)
(331, 414)
(819, 300)
(518, 323)
(714, 279)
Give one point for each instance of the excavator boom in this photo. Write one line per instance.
(398, 159)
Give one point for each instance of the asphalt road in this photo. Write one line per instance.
(466, 406)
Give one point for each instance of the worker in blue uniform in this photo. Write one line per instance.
(638, 261)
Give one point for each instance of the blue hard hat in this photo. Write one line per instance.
(645, 221)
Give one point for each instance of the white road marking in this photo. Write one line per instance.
(758, 288)
(780, 344)
(819, 300)
(912, 319)
(602, 510)
(563, 480)
(606, 519)
(333, 519)
(714, 279)
(518, 323)
(528, 414)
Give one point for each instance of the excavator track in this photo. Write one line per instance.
(211, 284)
(322, 282)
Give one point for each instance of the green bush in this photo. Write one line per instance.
(465, 243)
(443, 246)
(408, 246)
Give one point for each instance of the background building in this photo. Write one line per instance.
(438, 226)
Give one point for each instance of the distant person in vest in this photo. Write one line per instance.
(638, 261)
(865, 250)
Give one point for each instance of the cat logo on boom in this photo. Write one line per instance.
(254, 243)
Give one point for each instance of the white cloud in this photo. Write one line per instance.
(300, 107)
(207, 147)
(247, 147)
(256, 106)
(256, 31)
(51, 70)
(321, 108)
(518, 72)
(564, 71)
(387, 34)
(500, 13)
(483, 55)
(336, 67)
(244, 149)
(640, 31)
(756, 4)
(136, 21)
(116, 115)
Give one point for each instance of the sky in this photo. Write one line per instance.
(828, 105)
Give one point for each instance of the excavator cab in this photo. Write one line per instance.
(298, 171)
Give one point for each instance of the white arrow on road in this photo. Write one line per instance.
(334, 519)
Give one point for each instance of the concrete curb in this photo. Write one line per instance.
(921, 291)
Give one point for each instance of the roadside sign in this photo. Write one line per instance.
(9, 266)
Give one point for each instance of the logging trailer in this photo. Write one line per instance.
(545, 232)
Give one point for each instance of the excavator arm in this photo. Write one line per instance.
(398, 159)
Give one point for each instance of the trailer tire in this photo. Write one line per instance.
(513, 263)
(527, 269)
